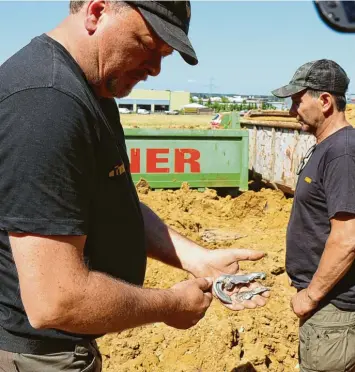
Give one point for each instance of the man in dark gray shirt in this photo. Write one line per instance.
(74, 238)
(321, 232)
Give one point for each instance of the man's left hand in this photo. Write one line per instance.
(302, 305)
(226, 261)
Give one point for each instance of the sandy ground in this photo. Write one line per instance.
(350, 114)
(264, 339)
(251, 340)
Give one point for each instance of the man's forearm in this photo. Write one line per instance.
(337, 258)
(103, 304)
(168, 246)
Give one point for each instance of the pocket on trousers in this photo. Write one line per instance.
(47, 362)
(331, 355)
(350, 349)
(306, 356)
(91, 367)
(323, 349)
(85, 359)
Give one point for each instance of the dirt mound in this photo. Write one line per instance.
(142, 186)
(350, 114)
(258, 340)
(259, 204)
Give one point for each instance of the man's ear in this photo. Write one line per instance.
(94, 11)
(327, 102)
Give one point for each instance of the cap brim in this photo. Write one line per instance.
(172, 35)
(288, 90)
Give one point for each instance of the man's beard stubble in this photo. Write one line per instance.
(114, 87)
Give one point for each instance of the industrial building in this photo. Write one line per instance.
(154, 100)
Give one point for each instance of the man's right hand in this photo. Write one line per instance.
(53, 268)
(193, 298)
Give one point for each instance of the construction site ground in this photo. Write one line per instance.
(263, 339)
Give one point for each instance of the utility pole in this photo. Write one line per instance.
(211, 86)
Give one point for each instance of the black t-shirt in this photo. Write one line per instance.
(63, 171)
(326, 186)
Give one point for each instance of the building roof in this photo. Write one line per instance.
(194, 105)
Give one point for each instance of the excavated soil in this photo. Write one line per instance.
(350, 114)
(263, 339)
(259, 340)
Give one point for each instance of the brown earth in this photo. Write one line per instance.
(350, 114)
(251, 340)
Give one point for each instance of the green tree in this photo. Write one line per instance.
(216, 106)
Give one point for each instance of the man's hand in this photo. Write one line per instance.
(193, 298)
(302, 304)
(226, 261)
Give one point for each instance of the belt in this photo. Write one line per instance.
(28, 345)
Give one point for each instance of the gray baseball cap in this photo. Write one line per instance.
(323, 75)
(170, 20)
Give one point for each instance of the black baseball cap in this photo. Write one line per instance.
(323, 75)
(170, 20)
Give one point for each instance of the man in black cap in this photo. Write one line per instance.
(74, 238)
(320, 248)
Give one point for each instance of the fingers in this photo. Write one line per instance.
(255, 302)
(204, 284)
(249, 304)
(266, 294)
(254, 285)
(260, 301)
(209, 296)
(235, 306)
(248, 254)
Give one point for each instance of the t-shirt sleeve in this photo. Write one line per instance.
(339, 185)
(47, 163)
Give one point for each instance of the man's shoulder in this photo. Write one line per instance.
(341, 143)
(39, 64)
(30, 67)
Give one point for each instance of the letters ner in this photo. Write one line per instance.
(185, 160)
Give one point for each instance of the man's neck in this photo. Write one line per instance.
(68, 36)
(331, 125)
(61, 35)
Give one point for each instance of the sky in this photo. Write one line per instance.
(244, 47)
